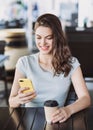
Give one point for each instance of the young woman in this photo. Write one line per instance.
(51, 71)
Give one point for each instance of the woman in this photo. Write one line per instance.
(51, 70)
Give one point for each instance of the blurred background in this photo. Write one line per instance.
(17, 18)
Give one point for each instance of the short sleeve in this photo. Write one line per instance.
(20, 65)
(75, 65)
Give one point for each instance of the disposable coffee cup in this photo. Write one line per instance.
(50, 106)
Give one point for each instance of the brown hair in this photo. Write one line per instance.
(61, 53)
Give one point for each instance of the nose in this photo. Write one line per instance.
(43, 42)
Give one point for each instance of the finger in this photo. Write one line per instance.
(21, 95)
(56, 112)
(29, 93)
(22, 89)
(64, 112)
(58, 118)
(27, 99)
(24, 102)
(62, 120)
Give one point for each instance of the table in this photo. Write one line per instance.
(34, 119)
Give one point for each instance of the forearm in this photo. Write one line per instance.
(79, 104)
(13, 102)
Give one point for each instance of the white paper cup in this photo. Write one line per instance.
(50, 107)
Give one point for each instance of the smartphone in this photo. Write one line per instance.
(26, 83)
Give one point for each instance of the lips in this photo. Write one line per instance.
(44, 48)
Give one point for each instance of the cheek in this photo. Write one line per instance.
(51, 43)
(38, 44)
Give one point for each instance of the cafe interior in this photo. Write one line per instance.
(17, 18)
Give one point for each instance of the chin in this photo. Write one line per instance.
(45, 52)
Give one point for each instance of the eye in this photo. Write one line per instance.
(50, 37)
(38, 37)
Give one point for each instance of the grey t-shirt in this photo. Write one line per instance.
(47, 86)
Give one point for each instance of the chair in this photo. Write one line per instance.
(71, 96)
(3, 72)
(2, 46)
(3, 78)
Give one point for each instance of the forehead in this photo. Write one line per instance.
(41, 30)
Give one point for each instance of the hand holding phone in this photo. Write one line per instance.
(26, 83)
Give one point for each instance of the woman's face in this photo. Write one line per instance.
(44, 39)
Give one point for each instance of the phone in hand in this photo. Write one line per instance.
(24, 82)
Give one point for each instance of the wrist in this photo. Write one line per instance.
(13, 103)
(69, 110)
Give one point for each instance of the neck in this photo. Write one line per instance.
(45, 59)
(45, 62)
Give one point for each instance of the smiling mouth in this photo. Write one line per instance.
(44, 47)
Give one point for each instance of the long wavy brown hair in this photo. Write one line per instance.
(62, 57)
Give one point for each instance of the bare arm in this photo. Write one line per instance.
(81, 90)
(83, 101)
(17, 97)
